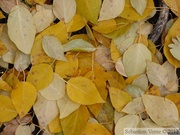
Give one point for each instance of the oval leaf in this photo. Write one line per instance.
(139, 5)
(23, 97)
(53, 48)
(64, 9)
(83, 91)
(21, 29)
(111, 9)
(23, 129)
(161, 110)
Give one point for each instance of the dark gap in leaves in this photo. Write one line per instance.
(81, 31)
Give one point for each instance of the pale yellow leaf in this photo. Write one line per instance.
(134, 59)
(45, 110)
(161, 110)
(141, 81)
(23, 97)
(111, 9)
(21, 29)
(66, 106)
(139, 5)
(148, 123)
(64, 9)
(7, 109)
(55, 90)
(120, 67)
(83, 91)
(134, 91)
(40, 75)
(23, 130)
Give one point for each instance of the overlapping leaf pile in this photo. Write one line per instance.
(99, 82)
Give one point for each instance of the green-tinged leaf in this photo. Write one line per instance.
(139, 5)
(79, 45)
(134, 91)
(21, 29)
(89, 9)
(75, 122)
(53, 48)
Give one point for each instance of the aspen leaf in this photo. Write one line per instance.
(3, 48)
(148, 123)
(130, 13)
(118, 115)
(139, 5)
(154, 90)
(23, 97)
(119, 98)
(95, 129)
(115, 54)
(4, 64)
(41, 2)
(9, 57)
(7, 109)
(40, 76)
(134, 91)
(105, 27)
(21, 29)
(66, 106)
(22, 61)
(134, 59)
(45, 110)
(55, 90)
(173, 32)
(83, 91)
(175, 47)
(141, 81)
(53, 48)
(38, 55)
(92, 9)
(4, 85)
(174, 5)
(67, 68)
(120, 67)
(64, 9)
(161, 110)
(55, 125)
(76, 23)
(43, 17)
(128, 121)
(79, 45)
(75, 122)
(111, 9)
(23, 129)
(12, 80)
(157, 74)
(134, 107)
(175, 98)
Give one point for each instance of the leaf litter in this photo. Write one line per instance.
(87, 67)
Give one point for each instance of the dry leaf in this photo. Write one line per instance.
(111, 9)
(64, 9)
(4, 85)
(141, 82)
(139, 5)
(21, 29)
(23, 97)
(134, 91)
(120, 67)
(174, 6)
(23, 129)
(8, 111)
(55, 90)
(55, 125)
(161, 110)
(83, 91)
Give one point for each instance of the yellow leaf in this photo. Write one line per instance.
(105, 26)
(41, 2)
(38, 55)
(1, 15)
(154, 90)
(12, 79)
(58, 30)
(102, 39)
(5, 86)
(175, 98)
(23, 97)
(129, 80)
(119, 98)
(77, 23)
(130, 13)
(83, 91)
(7, 109)
(89, 9)
(152, 47)
(174, 5)
(95, 129)
(55, 125)
(139, 5)
(115, 53)
(40, 75)
(141, 39)
(74, 123)
(3, 48)
(67, 69)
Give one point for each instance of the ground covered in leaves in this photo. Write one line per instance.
(88, 67)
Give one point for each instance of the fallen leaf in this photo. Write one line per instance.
(161, 110)
(174, 6)
(141, 82)
(111, 9)
(139, 5)
(23, 97)
(55, 125)
(83, 91)
(21, 29)
(134, 91)
(23, 129)
(4, 85)
(8, 111)
(64, 9)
